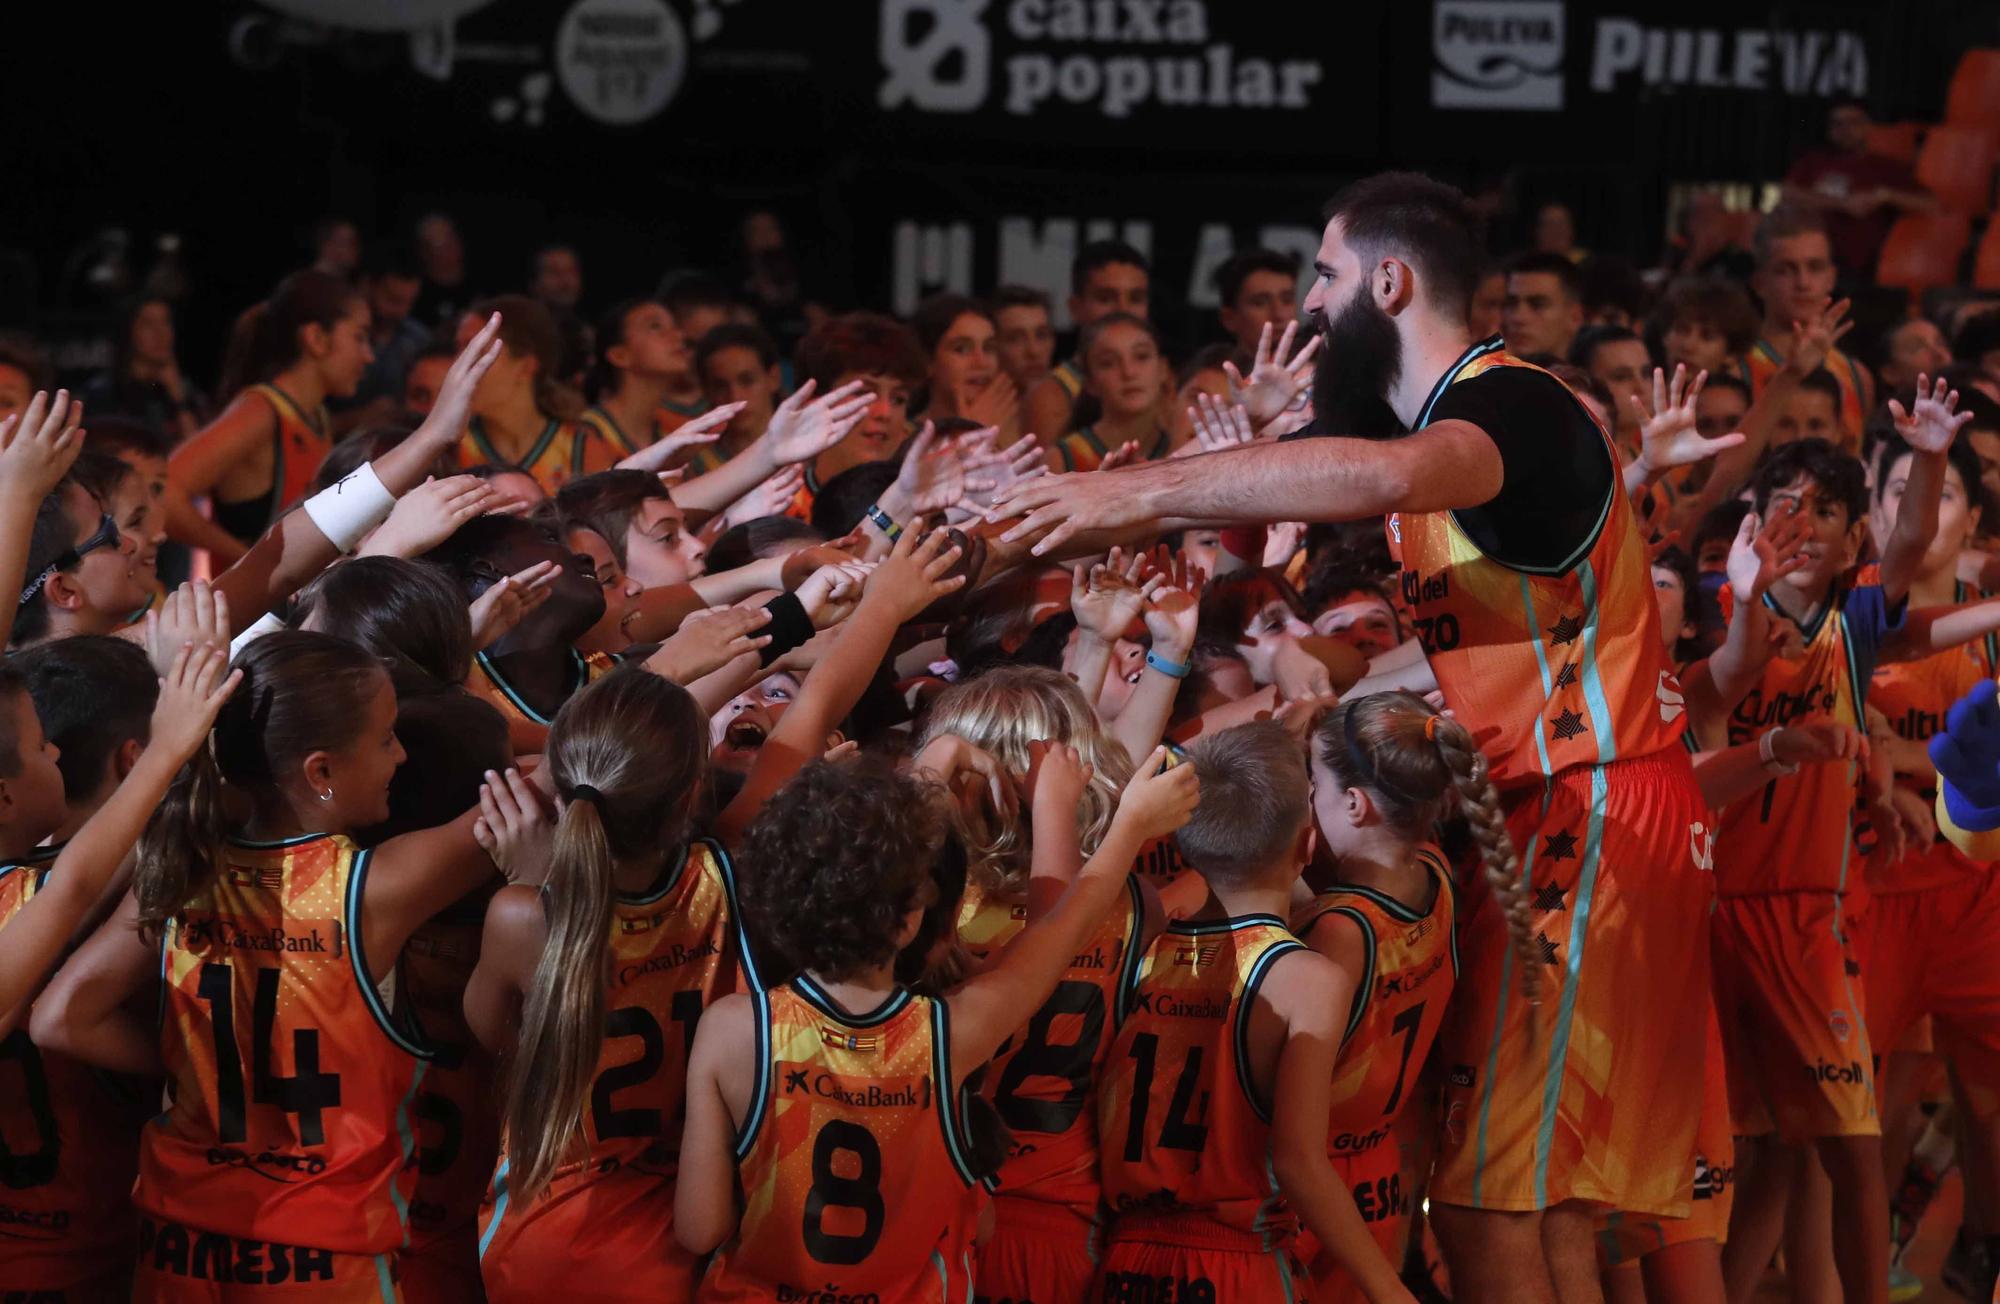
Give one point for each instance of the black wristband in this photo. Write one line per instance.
(790, 627)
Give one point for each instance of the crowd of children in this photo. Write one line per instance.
(911, 819)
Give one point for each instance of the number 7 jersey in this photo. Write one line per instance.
(291, 1087)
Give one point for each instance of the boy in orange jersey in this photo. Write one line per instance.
(1220, 1007)
(1795, 279)
(1107, 276)
(1784, 966)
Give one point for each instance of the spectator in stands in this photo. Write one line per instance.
(1613, 294)
(1910, 349)
(336, 247)
(1489, 300)
(557, 277)
(1616, 358)
(739, 364)
(1544, 306)
(1857, 193)
(1027, 334)
(391, 278)
(425, 379)
(441, 253)
(24, 368)
(1795, 278)
(144, 380)
(1555, 231)
(1106, 277)
(1257, 287)
(1812, 413)
(1705, 322)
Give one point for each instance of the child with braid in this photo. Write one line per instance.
(1385, 769)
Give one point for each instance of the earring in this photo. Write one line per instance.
(327, 795)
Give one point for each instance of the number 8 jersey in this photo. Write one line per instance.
(853, 1160)
(291, 1087)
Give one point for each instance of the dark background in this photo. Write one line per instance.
(234, 125)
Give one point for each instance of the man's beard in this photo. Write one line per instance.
(1360, 360)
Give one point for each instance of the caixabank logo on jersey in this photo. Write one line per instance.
(1105, 58)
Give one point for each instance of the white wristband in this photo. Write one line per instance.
(1767, 752)
(268, 623)
(352, 506)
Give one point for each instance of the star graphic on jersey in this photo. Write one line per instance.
(1566, 677)
(1853, 968)
(1547, 948)
(1567, 726)
(1559, 846)
(1564, 631)
(1551, 897)
(795, 1080)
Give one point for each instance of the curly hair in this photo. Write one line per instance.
(838, 858)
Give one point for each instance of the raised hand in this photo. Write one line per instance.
(38, 445)
(916, 573)
(947, 759)
(1274, 383)
(770, 497)
(701, 430)
(196, 684)
(1281, 540)
(504, 605)
(1931, 423)
(832, 592)
(1766, 551)
(1001, 468)
(804, 427)
(933, 477)
(1298, 673)
(513, 828)
(1056, 779)
(1107, 597)
(193, 615)
(1055, 508)
(1120, 457)
(445, 425)
(431, 513)
(1217, 426)
(1667, 435)
(1173, 607)
(1157, 801)
(708, 641)
(1815, 337)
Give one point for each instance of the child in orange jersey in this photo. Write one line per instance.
(282, 1169)
(1220, 1012)
(523, 416)
(841, 1091)
(1384, 769)
(1125, 370)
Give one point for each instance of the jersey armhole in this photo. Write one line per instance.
(1364, 985)
(950, 1123)
(1128, 969)
(760, 1086)
(385, 1019)
(739, 928)
(1240, 1032)
(1448, 889)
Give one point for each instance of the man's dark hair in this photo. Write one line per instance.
(1613, 282)
(1591, 338)
(842, 501)
(94, 693)
(1019, 296)
(1723, 380)
(1427, 223)
(1534, 262)
(1782, 223)
(1230, 276)
(754, 540)
(1832, 473)
(736, 335)
(1822, 381)
(1720, 522)
(1337, 579)
(1103, 253)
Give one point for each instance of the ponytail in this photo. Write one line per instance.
(562, 1019)
(1481, 807)
(182, 845)
(307, 298)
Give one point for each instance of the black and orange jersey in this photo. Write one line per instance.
(674, 950)
(1915, 696)
(1399, 1001)
(299, 444)
(563, 451)
(527, 728)
(1798, 833)
(667, 418)
(853, 1159)
(1763, 361)
(1182, 1127)
(1566, 665)
(1084, 450)
(1043, 1081)
(69, 1146)
(291, 1085)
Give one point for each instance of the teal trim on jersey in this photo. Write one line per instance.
(746, 1136)
(385, 1280)
(1390, 905)
(1806, 632)
(492, 672)
(1128, 965)
(1364, 987)
(1593, 684)
(477, 430)
(1241, 1033)
(666, 885)
(738, 925)
(357, 874)
(1205, 927)
(1542, 665)
(250, 844)
(1444, 382)
(1579, 932)
(955, 1142)
(607, 425)
(501, 1198)
(1507, 982)
(407, 1135)
(1285, 1275)
(814, 995)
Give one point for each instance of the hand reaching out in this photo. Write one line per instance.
(513, 828)
(708, 641)
(1217, 426)
(1173, 608)
(1001, 467)
(933, 477)
(1056, 779)
(1157, 801)
(916, 573)
(504, 605)
(769, 498)
(831, 593)
(1815, 337)
(1274, 383)
(1122, 456)
(804, 427)
(38, 446)
(1766, 551)
(1931, 423)
(1107, 597)
(196, 684)
(445, 425)
(431, 513)
(193, 615)
(702, 430)
(947, 759)
(1667, 435)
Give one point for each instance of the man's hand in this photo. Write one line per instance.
(1274, 383)
(1931, 424)
(1667, 435)
(1765, 552)
(1057, 507)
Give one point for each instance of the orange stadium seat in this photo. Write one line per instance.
(1986, 261)
(1896, 140)
(1974, 98)
(1956, 165)
(1923, 251)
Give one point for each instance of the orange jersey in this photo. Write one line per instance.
(1399, 1002)
(1798, 833)
(610, 1214)
(1083, 450)
(1567, 667)
(667, 418)
(69, 1146)
(1042, 1082)
(853, 1163)
(291, 1086)
(527, 728)
(1182, 1130)
(299, 445)
(1763, 361)
(1915, 695)
(563, 451)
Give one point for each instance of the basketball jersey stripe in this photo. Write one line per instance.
(1586, 885)
(1508, 984)
(1593, 686)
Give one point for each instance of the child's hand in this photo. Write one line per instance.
(915, 574)
(1156, 801)
(1057, 777)
(947, 757)
(830, 595)
(1930, 425)
(702, 430)
(191, 693)
(446, 423)
(1173, 608)
(1106, 598)
(1822, 740)
(1667, 435)
(193, 614)
(429, 514)
(708, 641)
(504, 605)
(513, 828)
(38, 445)
(1815, 337)
(1766, 551)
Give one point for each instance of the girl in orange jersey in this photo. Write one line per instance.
(840, 1089)
(640, 353)
(282, 1169)
(1126, 371)
(588, 989)
(309, 343)
(1384, 770)
(523, 416)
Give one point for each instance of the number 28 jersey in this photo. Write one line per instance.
(853, 1159)
(291, 1085)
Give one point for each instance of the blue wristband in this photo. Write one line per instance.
(882, 521)
(1171, 669)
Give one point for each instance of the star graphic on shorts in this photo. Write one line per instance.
(1564, 631)
(1566, 677)
(1551, 897)
(1547, 948)
(1853, 968)
(1559, 846)
(795, 1080)
(1567, 726)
